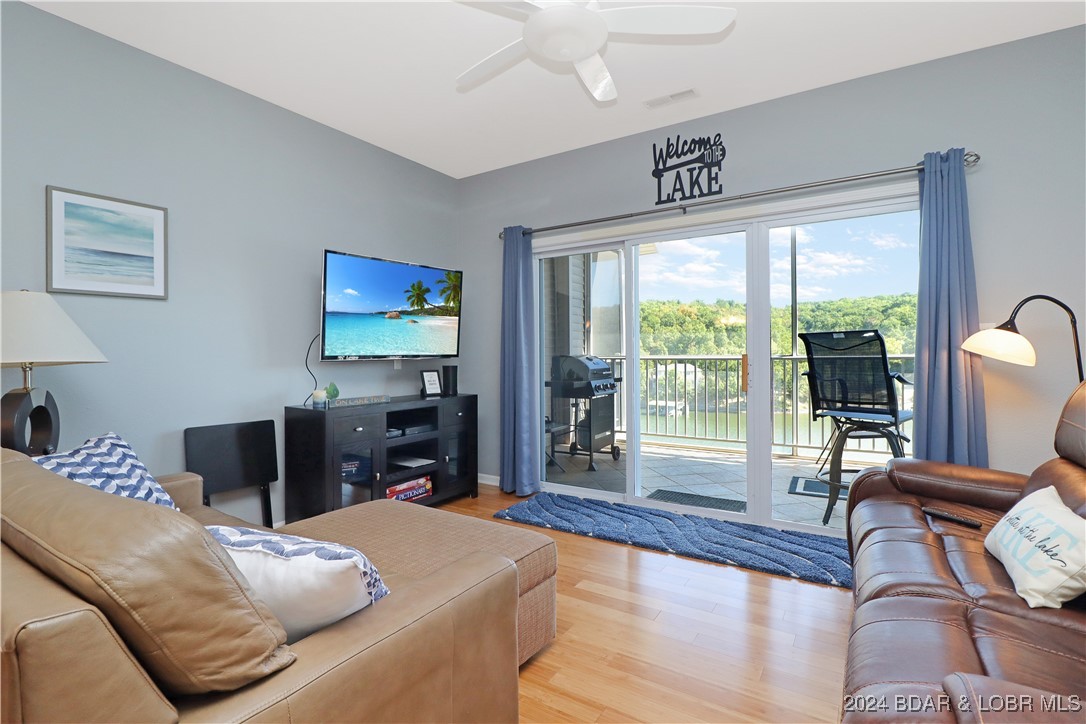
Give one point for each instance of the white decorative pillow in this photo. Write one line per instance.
(1042, 544)
(307, 584)
(108, 463)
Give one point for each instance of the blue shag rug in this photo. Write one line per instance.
(806, 556)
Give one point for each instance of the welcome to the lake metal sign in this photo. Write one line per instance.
(687, 168)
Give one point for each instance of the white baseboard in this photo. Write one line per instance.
(489, 479)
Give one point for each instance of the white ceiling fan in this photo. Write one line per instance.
(575, 32)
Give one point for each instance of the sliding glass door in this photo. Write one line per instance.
(581, 338)
(691, 355)
(672, 373)
(852, 273)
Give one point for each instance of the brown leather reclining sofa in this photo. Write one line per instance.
(121, 610)
(938, 632)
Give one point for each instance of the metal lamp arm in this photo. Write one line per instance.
(1070, 315)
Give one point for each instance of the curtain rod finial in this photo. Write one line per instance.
(971, 159)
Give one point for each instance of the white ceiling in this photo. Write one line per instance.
(385, 72)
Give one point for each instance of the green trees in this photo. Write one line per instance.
(450, 289)
(416, 295)
(703, 328)
(449, 292)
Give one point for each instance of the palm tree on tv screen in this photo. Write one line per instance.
(450, 290)
(416, 295)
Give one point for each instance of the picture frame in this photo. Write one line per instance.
(431, 383)
(102, 245)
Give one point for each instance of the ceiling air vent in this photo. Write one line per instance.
(671, 98)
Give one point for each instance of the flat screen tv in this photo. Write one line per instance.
(381, 309)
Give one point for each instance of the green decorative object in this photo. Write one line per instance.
(332, 390)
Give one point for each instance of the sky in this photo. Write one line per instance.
(858, 257)
(91, 227)
(361, 285)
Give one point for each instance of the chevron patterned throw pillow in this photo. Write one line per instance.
(107, 463)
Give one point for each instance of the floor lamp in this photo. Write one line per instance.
(36, 333)
(1006, 343)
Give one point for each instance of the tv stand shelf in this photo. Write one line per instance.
(341, 456)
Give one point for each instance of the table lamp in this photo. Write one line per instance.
(1006, 343)
(36, 333)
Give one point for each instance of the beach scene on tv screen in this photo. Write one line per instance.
(378, 308)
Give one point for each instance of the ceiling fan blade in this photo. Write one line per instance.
(669, 19)
(522, 8)
(596, 78)
(494, 63)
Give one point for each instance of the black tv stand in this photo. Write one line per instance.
(341, 456)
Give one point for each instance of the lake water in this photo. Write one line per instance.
(97, 265)
(373, 334)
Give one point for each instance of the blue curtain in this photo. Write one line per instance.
(949, 423)
(519, 462)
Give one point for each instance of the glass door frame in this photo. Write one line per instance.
(755, 219)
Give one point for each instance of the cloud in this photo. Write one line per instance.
(688, 247)
(697, 268)
(352, 292)
(707, 268)
(780, 294)
(782, 236)
(695, 275)
(888, 241)
(832, 264)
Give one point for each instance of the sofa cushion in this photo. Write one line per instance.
(307, 584)
(903, 511)
(1066, 477)
(1071, 430)
(388, 529)
(164, 583)
(108, 463)
(1042, 544)
(391, 530)
(906, 646)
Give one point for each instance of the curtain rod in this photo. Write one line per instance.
(971, 159)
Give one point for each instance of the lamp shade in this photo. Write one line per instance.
(37, 331)
(1002, 344)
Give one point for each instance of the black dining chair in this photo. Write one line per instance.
(234, 456)
(851, 384)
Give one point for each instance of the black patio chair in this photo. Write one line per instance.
(851, 384)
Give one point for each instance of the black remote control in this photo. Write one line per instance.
(954, 517)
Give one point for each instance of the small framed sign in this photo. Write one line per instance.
(431, 383)
(101, 245)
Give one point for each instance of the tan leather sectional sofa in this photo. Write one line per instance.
(153, 622)
(939, 633)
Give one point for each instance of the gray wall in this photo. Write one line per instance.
(1020, 105)
(255, 192)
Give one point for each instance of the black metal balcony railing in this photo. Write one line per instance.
(700, 398)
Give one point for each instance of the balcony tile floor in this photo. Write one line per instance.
(710, 473)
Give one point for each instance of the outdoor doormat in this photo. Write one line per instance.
(811, 487)
(806, 556)
(701, 501)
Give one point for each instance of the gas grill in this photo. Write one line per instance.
(590, 386)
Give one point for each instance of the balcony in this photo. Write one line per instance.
(693, 434)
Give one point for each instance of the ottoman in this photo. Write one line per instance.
(409, 540)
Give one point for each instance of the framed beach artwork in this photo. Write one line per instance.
(101, 245)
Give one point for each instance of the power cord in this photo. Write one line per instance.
(307, 353)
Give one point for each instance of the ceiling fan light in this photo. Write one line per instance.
(565, 33)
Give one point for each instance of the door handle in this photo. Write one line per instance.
(744, 370)
(359, 429)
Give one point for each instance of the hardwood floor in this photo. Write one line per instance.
(646, 636)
